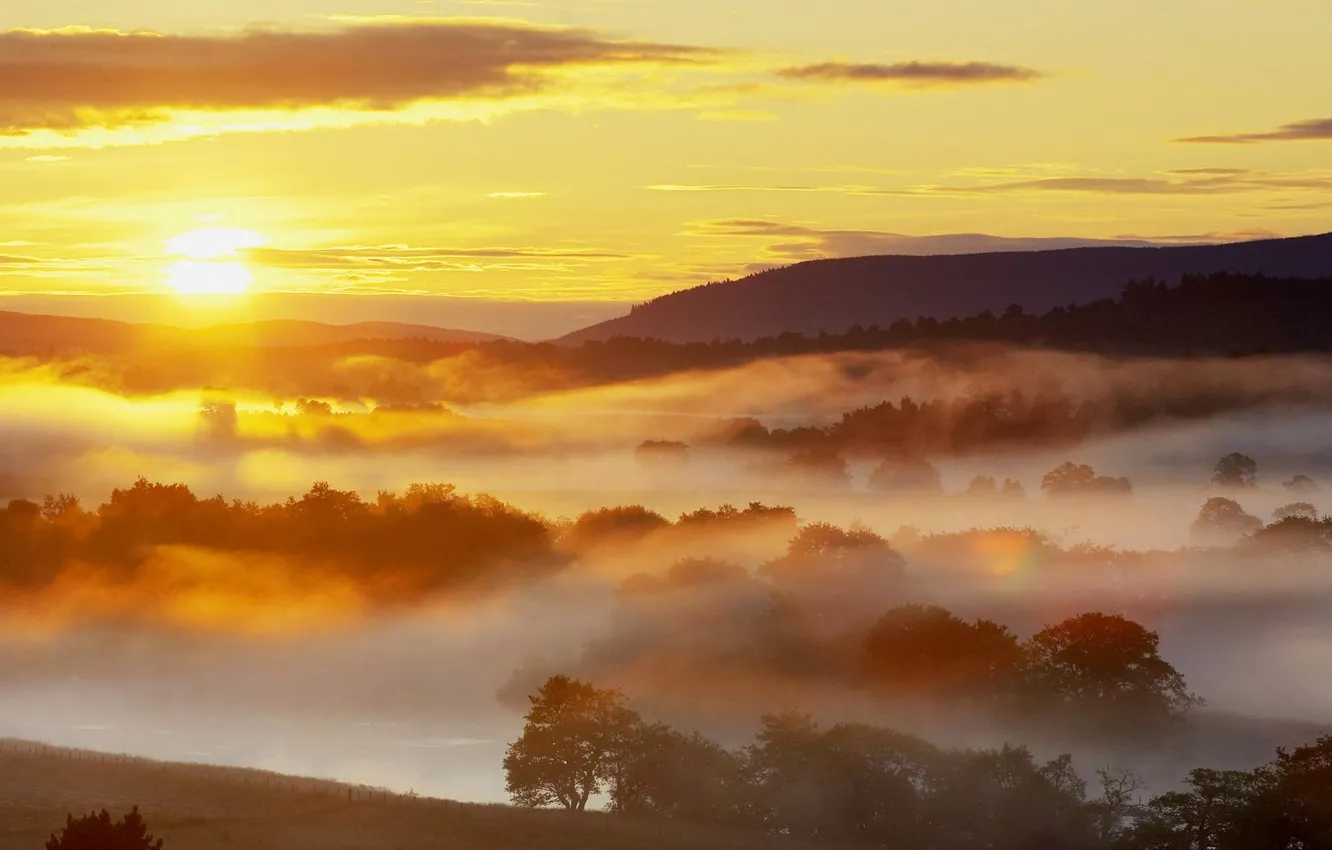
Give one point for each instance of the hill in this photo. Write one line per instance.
(203, 807)
(834, 295)
(29, 333)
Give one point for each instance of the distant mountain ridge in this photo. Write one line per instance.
(31, 333)
(835, 295)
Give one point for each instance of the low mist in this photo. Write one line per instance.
(369, 630)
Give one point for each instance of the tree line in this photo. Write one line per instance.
(857, 785)
(429, 538)
(1217, 314)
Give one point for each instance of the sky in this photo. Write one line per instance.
(460, 161)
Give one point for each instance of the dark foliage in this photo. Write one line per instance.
(97, 831)
(853, 785)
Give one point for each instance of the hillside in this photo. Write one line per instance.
(202, 807)
(28, 333)
(835, 295)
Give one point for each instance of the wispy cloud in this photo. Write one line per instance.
(397, 259)
(1225, 181)
(72, 79)
(796, 242)
(913, 74)
(1310, 130)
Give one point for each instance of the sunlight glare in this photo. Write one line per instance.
(211, 243)
(208, 267)
(194, 277)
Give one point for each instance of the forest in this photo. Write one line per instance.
(854, 785)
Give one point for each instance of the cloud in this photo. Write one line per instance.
(1186, 181)
(1312, 129)
(75, 78)
(801, 242)
(913, 74)
(1201, 181)
(401, 257)
(384, 267)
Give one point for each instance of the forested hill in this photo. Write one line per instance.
(835, 295)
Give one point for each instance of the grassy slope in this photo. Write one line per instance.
(198, 806)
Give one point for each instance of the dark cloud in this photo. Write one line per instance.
(913, 73)
(67, 79)
(1312, 129)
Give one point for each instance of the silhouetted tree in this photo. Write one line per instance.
(983, 486)
(1302, 484)
(613, 526)
(1108, 670)
(573, 743)
(218, 420)
(683, 777)
(1074, 479)
(1214, 812)
(1013, 489)
(1223, 520)
(1235, 470)
(820, 467)
(1296, 510)
(915, 650)
(97, 831)
(1294, 535)
(837, 572)
(905, 474)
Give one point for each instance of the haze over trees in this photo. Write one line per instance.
(1236, 470)
(1079, 479)
(860, 785)
(1223, 520)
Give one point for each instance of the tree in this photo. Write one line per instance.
(1235, 470)
(983, 486)
(909, 474)
(1077, 479)
(1215, 812)
(1302, 484)
(819, 467)
(1003, 798)
(915, 650)
(1117, 804)
(670, 774)
(838, 573)
(1303, 795)
(1223, 520)
(572, 744)
(96, 831)
(1013, 489)
(1108, 670)
(850, 784)
(1296, 510)
(218, 420)
(613, 526)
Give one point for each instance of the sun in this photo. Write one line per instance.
(210, 263)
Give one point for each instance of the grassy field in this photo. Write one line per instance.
(200, 806)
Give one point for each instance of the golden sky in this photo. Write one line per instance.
(616, 149)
